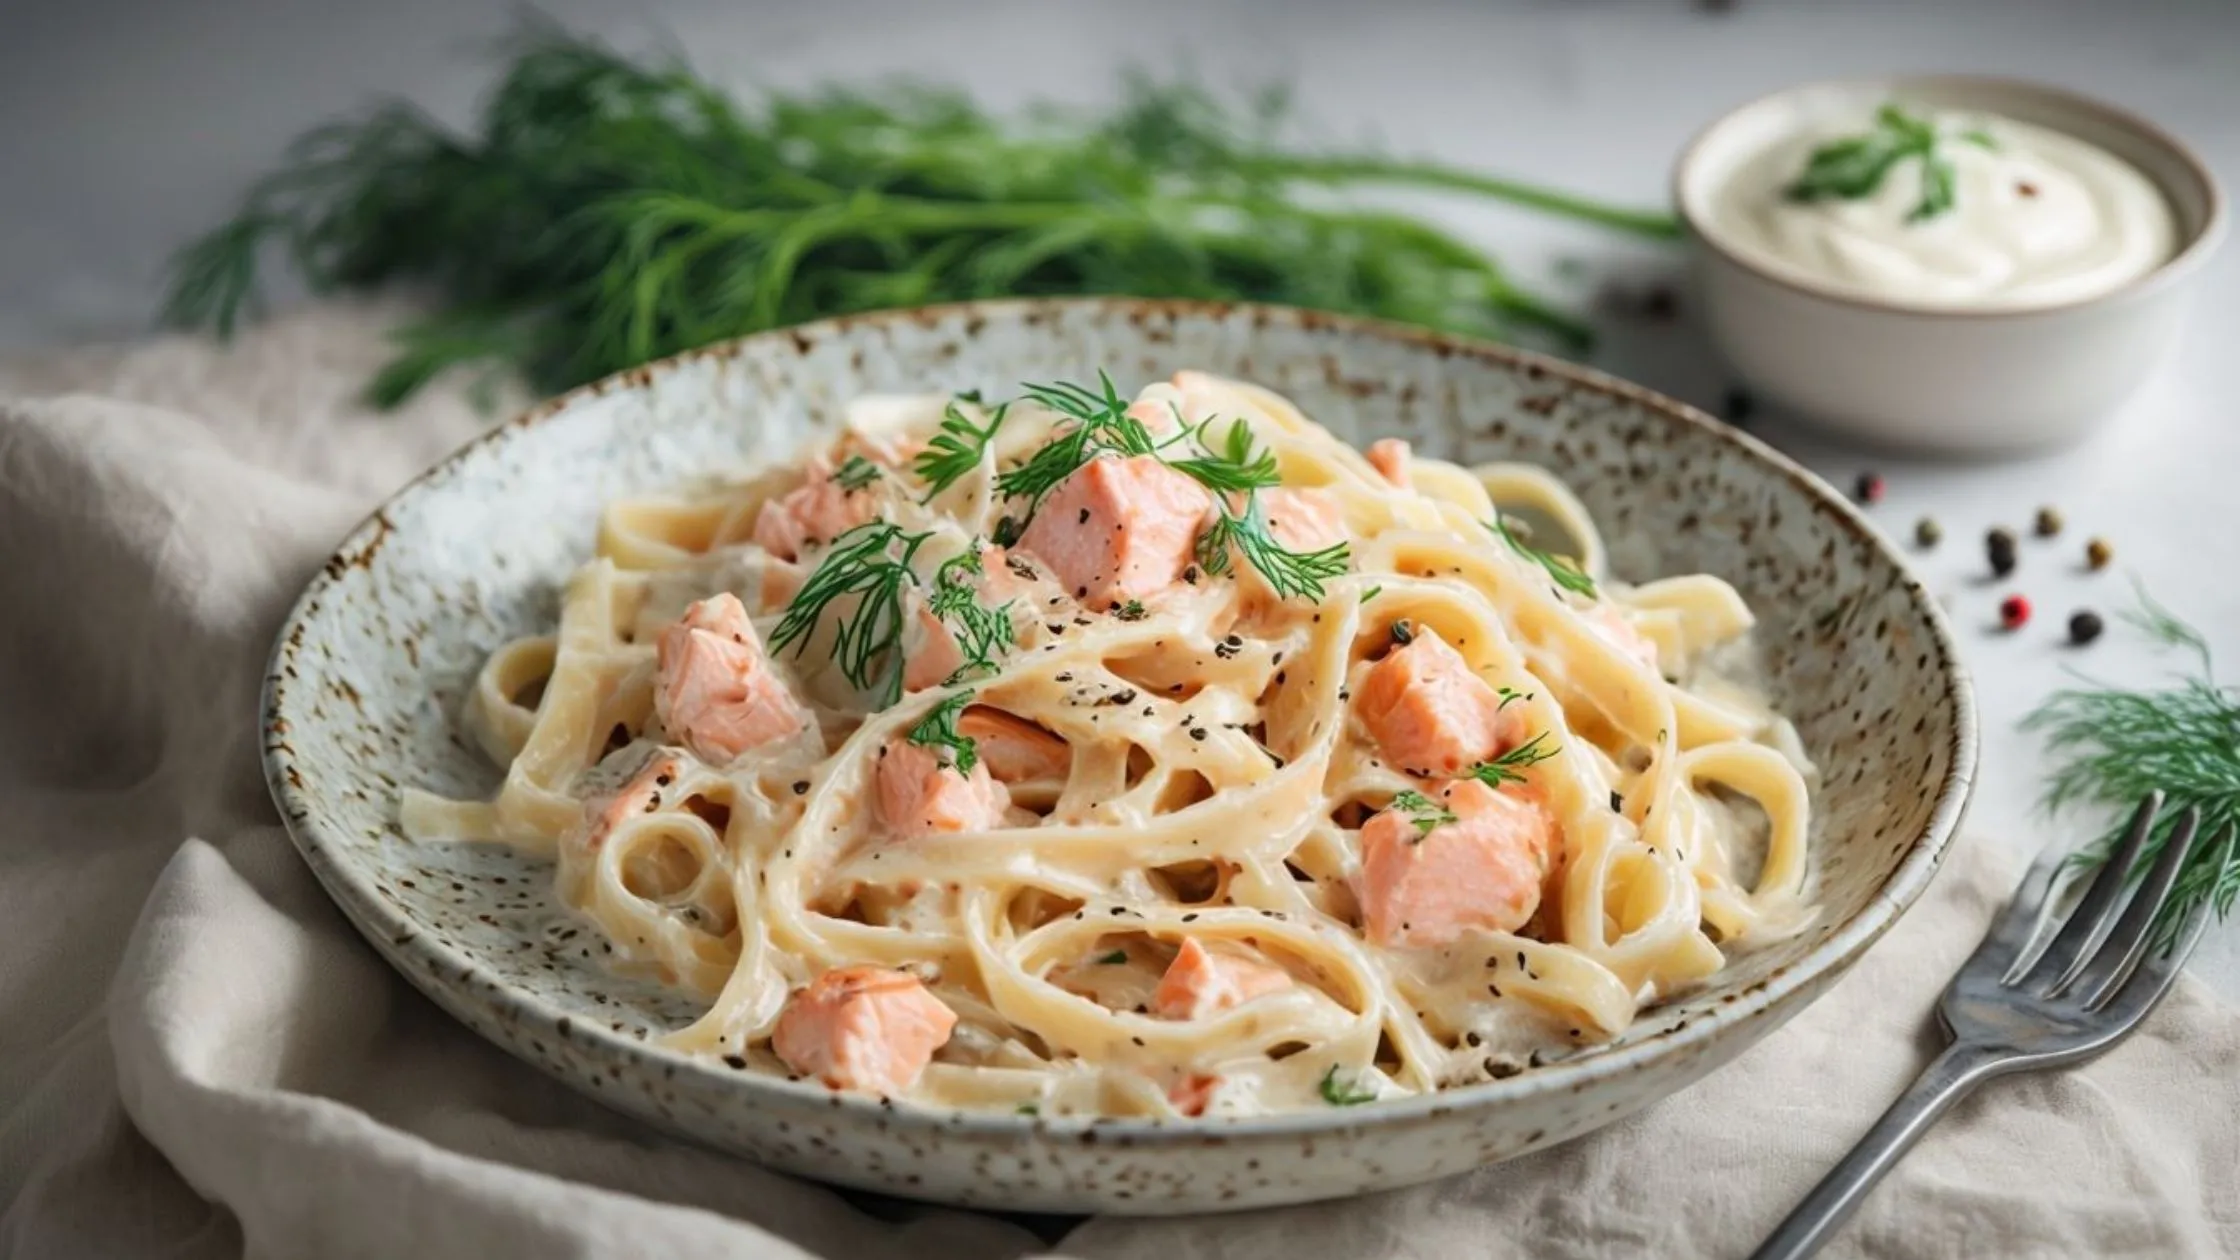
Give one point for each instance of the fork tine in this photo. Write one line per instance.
(2140, 976)
(2131, 938)
(2088, 924)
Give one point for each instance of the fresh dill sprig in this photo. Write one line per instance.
(1133, 610)
(1425, 813)
(938, 730)
(856, 472)
(981, 632)
(603, 211)
(1344, 1094)
(956, 448)
(1509, 696)
(869, 565)
(1565, 574)
(1855, 166)
(1288, 573)
(2112, 747)
(1510, 766)
(1233, 467)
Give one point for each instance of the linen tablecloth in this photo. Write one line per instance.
(199, 1058)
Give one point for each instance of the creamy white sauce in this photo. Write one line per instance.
(2041, 218)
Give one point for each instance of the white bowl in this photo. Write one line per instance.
(368, 672)
(1955, 381)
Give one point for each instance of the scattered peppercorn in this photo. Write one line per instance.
(2048, 523)
(2014, 612)
(2084, 627)
(2097, 554)
(1927, 532)
(1999, 546)
(1869, 489)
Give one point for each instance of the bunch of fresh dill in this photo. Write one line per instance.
(2112, 747)
(607, 212)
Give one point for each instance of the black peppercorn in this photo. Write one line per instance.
(1998, 545)
(2084, 627)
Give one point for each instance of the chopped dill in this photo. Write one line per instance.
(956, 448)
(856, 473)
(1289, 573)
(1510, 766)
(869, 565)
(1339, 1094)
(1424, 812)
(938, 730)
(1566, 574)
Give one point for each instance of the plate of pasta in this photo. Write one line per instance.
(1083, 755)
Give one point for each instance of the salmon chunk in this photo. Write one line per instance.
(1193, 1093)
(1390, 456)
(716, 693)
(1013, 749)
(1429, 714)
(1304, 520)
(1483, 871)
(641, 795)
(929, 651)
(1200, 982)
(817, 511)
(1118, 529)
(920, 795)
(862, 1028)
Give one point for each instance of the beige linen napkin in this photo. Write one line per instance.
(198, 1057)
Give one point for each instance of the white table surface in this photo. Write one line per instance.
(125, 127)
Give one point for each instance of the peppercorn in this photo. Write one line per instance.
(1998, 545)
(2097, 554)
(2014, 612)
(2084, 627)
(1739, 406)
(2048, 522)
(1927, 532)
(1869, 488)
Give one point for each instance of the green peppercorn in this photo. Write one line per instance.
(2048, 522)
(1926, 531)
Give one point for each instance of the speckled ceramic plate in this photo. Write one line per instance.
(366, 680)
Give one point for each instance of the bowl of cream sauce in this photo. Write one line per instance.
(1956, 264)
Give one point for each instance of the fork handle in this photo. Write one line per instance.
(1948, 1078)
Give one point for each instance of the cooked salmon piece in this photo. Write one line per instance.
(1200, 982)
(1390, 456)
(1304, 520)
(1013, 749)
(1429, 714)
(1118, 529)
(1610, 623)
(641, 795)
(862, 1028)
(929, 652)
(1193, 1093)
(1483, 871)
(716, 693)
(921, 795)
(816, 511)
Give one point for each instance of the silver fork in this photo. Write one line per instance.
(2011, 1008)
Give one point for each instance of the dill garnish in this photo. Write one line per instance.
(1288, 573)
(938, 730)
(1424, 812)
(955, 449)
(604, 211)
(863, 563)
(981, 632)
(1510, 766)
(1566, 574)
(1855, 166)
(1344, 1095)
(856, 473)
(2112, 747)
(1233, 468)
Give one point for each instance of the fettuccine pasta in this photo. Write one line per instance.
(1151, 756)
